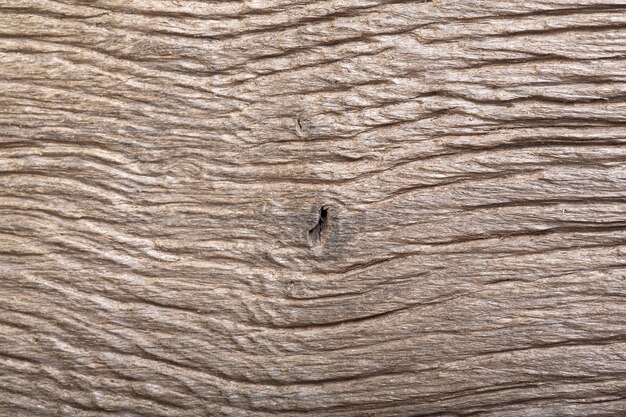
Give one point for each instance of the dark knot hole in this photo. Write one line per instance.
(317, 232)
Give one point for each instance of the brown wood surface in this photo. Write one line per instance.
(331, 208)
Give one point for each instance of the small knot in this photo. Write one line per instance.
(316, 234)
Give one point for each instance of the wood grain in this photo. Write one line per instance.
(330, 208)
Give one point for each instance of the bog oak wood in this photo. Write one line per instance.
(322, 208)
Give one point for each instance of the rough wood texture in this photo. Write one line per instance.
(331, 208)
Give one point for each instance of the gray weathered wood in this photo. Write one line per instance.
(331, 208)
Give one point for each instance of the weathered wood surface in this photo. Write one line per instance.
(164, 166)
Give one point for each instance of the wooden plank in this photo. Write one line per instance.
(331, 208)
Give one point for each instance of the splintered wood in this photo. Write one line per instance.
(336, 208)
